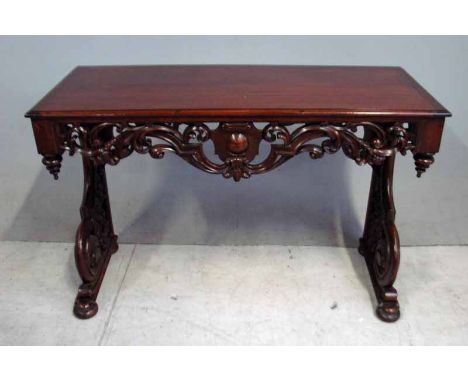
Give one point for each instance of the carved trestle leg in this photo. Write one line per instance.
(95, 238)
(380, 244)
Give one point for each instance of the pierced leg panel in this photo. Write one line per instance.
(95, 239)
(380, 244)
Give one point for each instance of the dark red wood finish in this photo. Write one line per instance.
(106, 113)
(238, 91)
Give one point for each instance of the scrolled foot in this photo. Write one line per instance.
(85, 307)
(85, 302)
(388, 312)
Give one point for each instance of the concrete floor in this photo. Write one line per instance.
(245, 295)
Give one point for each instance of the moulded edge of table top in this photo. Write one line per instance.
(214, 114)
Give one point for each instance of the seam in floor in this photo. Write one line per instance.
(109, 317)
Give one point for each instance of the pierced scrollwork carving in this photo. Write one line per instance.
(95, 238)
(380, 244)
(236, 144)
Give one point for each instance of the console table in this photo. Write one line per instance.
(105, 113)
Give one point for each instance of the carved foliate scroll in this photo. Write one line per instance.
(236, 144)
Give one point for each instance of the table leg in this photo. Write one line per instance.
(380, 244)
(95, 238)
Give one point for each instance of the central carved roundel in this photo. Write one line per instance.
(237, 143)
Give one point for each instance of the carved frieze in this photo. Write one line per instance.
(236, 144)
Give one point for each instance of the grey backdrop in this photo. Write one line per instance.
(304, 202)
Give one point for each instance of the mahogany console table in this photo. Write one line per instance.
(107, 112)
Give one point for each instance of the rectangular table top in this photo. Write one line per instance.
(233, 91)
